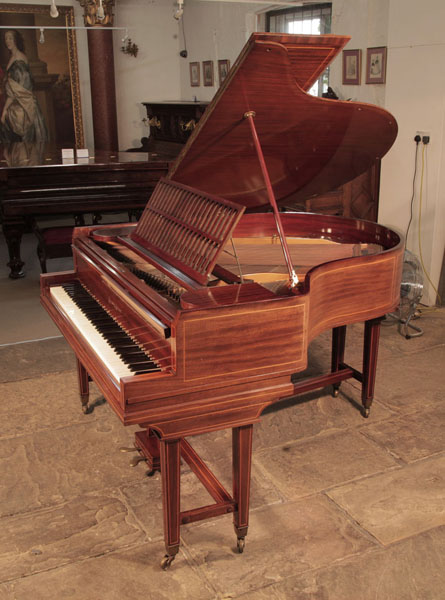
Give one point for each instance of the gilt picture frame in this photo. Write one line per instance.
(207, 72)
(376, 64)
(352, 66)
(195, 74)
(51, 56)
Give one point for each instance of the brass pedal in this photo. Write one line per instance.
(125, 449)
(136, 460)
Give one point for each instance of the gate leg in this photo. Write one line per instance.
(338, 353)
(370, 352)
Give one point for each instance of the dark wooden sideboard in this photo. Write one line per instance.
(171, 124)
(37, 183)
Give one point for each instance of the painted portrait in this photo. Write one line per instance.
(39, 82)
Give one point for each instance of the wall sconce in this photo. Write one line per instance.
(129, 47)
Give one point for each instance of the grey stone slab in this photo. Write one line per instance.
(123, 575)
(312, 414)
(145, 497)
(49, 401)
(32, 359)
(413, 381)
(53, 466)
(397, 504)
(283, 540)
(88, 525)
(432, 321)
(410, 570)
(313, 465)
(411, 437)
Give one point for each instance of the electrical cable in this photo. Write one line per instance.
(413, 194)
(183, 32)
(439, 300)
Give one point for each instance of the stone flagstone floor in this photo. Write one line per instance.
(342, 508)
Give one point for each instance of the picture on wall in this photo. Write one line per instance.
(39, 78)
(194, 74)
(376, 65)
(207, 71)
(352, 66)
(223, 70)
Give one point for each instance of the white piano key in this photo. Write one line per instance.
(92, 337)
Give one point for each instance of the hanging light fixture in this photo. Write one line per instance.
(100, 11)
(179, 11)
(53, 10)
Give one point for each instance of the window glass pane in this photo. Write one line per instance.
(307, 20)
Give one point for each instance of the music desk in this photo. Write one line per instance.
(37, 183)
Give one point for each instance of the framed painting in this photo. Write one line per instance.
(207, 72)
(39, 66)
(352, 66)
(376, 65)
(223, 69)
(194, 74)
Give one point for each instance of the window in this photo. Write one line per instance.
(313, 19)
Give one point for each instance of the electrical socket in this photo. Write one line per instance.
(425, 136)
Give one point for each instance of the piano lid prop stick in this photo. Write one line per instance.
(293, 278)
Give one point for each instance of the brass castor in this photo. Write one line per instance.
(240, 543)
(365, 412)
(335, 392)
(167, 561)
(85, 409)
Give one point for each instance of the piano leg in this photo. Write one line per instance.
(242, 460)
(170, 476)
(84, 387)
(338, 353)
(370, 351)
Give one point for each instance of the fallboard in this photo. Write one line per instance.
(186, 227)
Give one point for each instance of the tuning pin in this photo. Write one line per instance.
(53, 10)
(42, 36)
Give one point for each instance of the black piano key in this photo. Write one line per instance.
(128, 350)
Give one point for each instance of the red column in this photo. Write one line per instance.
(103, 92)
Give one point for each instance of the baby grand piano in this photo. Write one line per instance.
(197, 318)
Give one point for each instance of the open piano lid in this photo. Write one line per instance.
(311, 145)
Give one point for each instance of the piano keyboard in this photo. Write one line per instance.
(115, 348)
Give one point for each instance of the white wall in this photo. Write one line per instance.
(155, 73)
(415, 94)
(213, 31)
(366, 22)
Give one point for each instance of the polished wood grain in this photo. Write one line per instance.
(230, 348)
(311, 145)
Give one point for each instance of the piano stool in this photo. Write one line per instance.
(53, 242)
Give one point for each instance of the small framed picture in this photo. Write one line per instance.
(207, 71)
(223, 69)
(352, 66)
(194, 74)
(376, 65)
